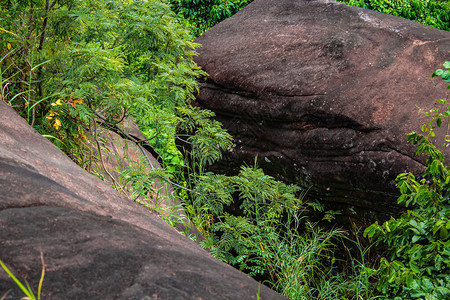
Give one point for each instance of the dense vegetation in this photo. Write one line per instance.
(69, 66)
(203, 14)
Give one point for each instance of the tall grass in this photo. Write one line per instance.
(305, 266)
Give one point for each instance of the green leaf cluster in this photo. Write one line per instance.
(204, 14)
(245, 239)
(260, 226)
(443, 73)
(438, 115)
(206, 137)
(114, 57)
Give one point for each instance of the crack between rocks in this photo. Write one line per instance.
(391, 149)
(253, 96)
(212, 85)
(338, 125)
(309, 126)
(299, 95)
(28, 206)
(284, 153)
(408, 155)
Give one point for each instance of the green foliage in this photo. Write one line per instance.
(438, 115)
(117, 57)
(204, 14)
(307, 271)
(66, 121)
(246, 239)
(149, 187)
(418, 243)
(434, 13)
(206, 137)
(443, 73)
(260, 226)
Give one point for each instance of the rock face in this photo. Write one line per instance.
(120, 152)
(96, 243)
(323, 94)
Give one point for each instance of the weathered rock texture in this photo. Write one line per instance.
(96, 243)
(324, 94)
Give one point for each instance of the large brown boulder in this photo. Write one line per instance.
(323, 94)
(96, 243)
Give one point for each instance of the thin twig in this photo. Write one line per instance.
(183, 140)
(116, 184)
(6, 294)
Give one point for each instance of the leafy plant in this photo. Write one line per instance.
(261, 226)
(240, 238)
(95, 58)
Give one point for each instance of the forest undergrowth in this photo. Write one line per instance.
(71, 66)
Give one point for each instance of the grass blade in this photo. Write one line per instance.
(19, 284)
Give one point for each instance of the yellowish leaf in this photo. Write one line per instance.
(57, 124)
(58, 102)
